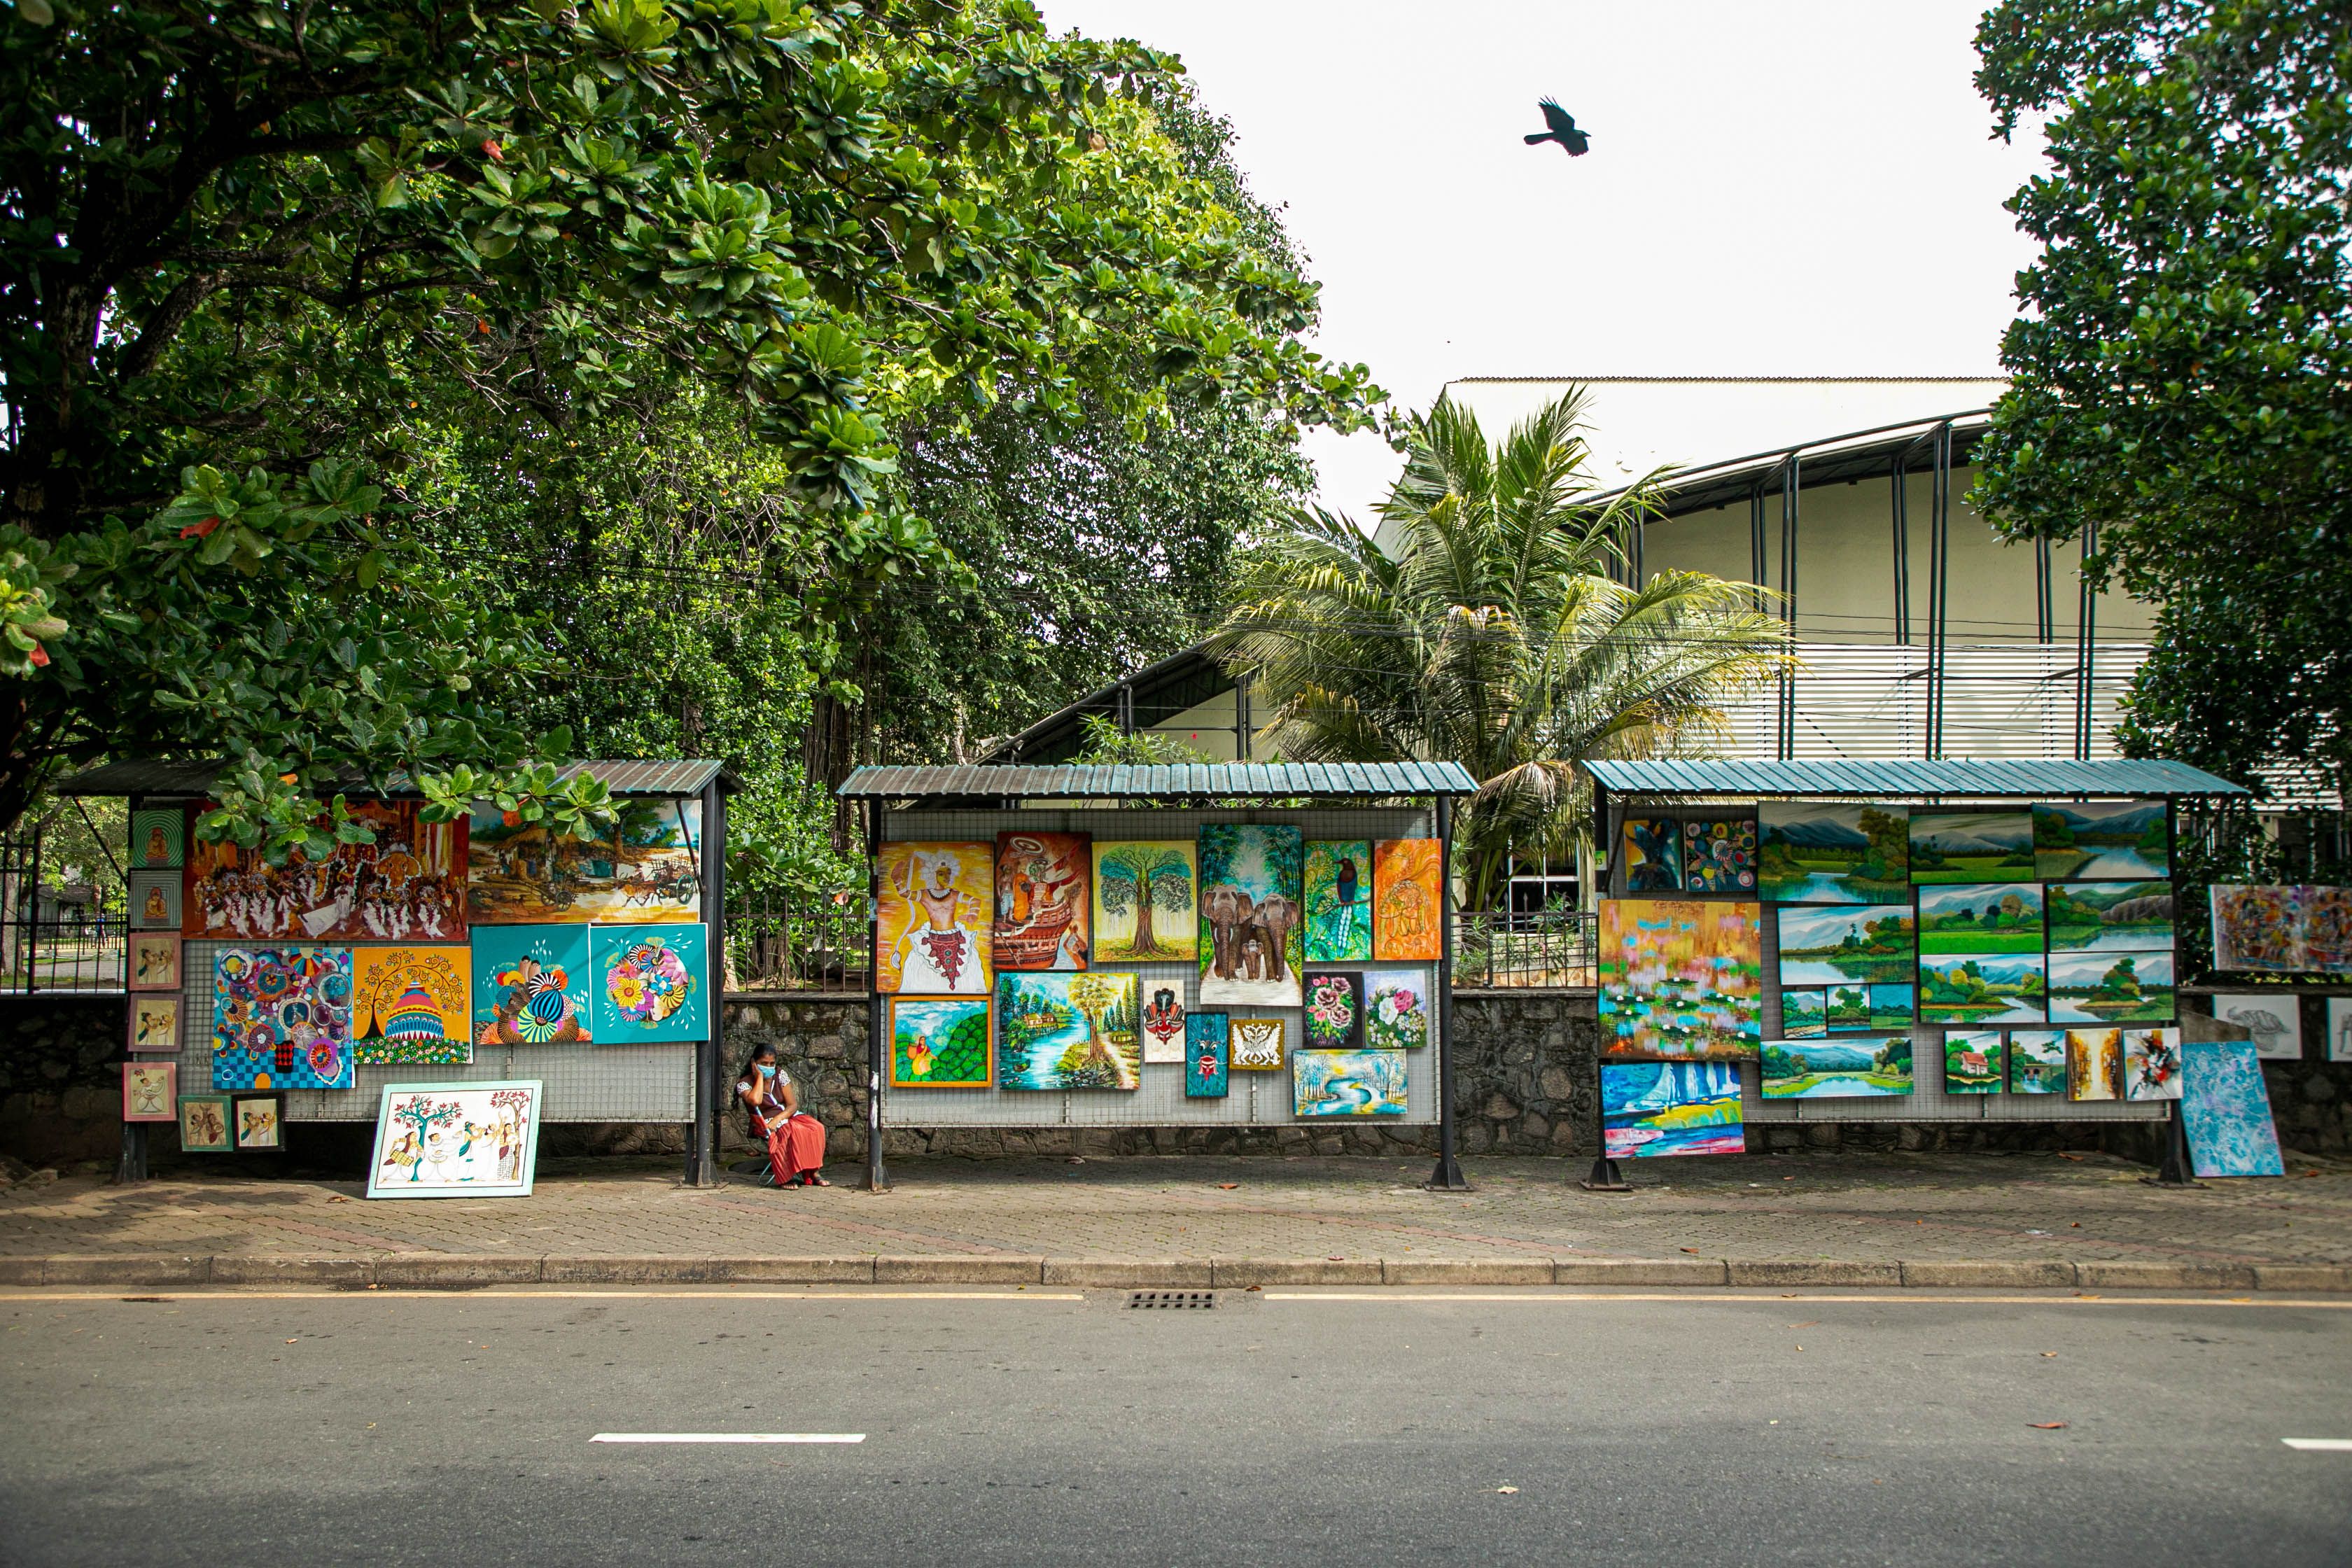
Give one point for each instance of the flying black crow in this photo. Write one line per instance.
(1563, 130)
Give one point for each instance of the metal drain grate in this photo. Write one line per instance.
(1171, 1299)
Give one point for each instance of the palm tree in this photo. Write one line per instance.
(1496, 637)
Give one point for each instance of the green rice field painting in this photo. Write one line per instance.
(1980, 917)
(1993, 988)
(2111, 987)
(1827, 1069)
(1811, 854)
(939, 1042)
(2127, 917)
(1893, 1007)
(1972, 1062)
(1841, 943)
(1971, 847)
(2115, 840)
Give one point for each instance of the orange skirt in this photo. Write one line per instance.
(797, 1147)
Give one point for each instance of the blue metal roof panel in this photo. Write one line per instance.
(2014, 778)
(1160, 780)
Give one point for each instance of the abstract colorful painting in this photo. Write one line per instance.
(644, 868)
(2151, 1064)
(151, 960)
(2099, 915)
(1804, 1011)
(1893, 1007)
(1831, 944)
(2111, 841)
(1408, 901)
(410, 1004)
(1833, 854)
(1836, 1069)
(1060, 1031)
(1143, 901)
(455, 1140)
(1680, 979)
(407, 886)
(1348, 1083)
(1254, 1045)
(1654, 854)
(1971, 847)
(1396, 1009)
(1251, 943)
(150, 1091)
(2111, 987)
(1973, 1062)
(1163, 1025)
(2037, 1061)
(2095, 1064)
(2225, 1108)
(934, 917)
(649, 983)
(1980, 917)
(159, 837)
(1719, 857)
(2273, 1020)
(155, 1024)
(258, 1121)
(1043, 902)
(532, 986)
(155, 903)
(1991, 988)
(205, 1125)
(1653, 1108)
(1204, 1055)
(1334, 1011)
(2289, 929)
(940, 1042)
(1338, 900)
(282, 1017)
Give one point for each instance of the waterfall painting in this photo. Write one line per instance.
(1348, 1083)
(1652, 1109)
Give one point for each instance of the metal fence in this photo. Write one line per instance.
(48, 942)
(1539, 948)
(775, 944)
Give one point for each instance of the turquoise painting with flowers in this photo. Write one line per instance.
(649, 983)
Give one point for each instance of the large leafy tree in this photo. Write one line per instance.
(1496, 637)
(2179, 374)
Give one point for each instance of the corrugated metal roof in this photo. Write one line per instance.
(622, 775)
(2016, 778)
(1180, 780)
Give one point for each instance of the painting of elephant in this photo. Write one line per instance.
(1252, 938)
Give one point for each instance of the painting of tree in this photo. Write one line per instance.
(1135, 884)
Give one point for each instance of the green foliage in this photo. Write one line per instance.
(2177, 373)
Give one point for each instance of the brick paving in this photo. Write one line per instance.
(1862, 1208)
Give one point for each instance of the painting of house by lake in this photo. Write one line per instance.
(1058, 1030)
(2111, 987)
(1971, 847)
(2117, 841)
(1841, 943)
(2037, 1061)
(1653, 1108)
(2122, 916)
(1824, 1070)
(1972, 1063)
(1980, 917)
(1812, 854)
(1988, 988)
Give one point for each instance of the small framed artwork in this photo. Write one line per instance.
(940, 1042)
(259, 1121)
(153, 964)
(1204, 1055)
(159, 837)
(1163, 1027)
(205, 1125)
(149, 1091)
(1255, 1045)
(155, 1024)
(1335, 1010)
(154, 900)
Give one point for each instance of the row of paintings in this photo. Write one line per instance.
(2282, 930)
(2082, 1064)
(2273, 1020)
(231, 1123)
(1250, 905)
(1879, 853)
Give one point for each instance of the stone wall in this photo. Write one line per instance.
(60, 1089)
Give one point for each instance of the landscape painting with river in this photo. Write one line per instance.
(1838, 944)
(2116, 841)
(1833, 854)
(1826, 1069)
(1059, 1031)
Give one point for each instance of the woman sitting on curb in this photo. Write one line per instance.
(795, 1139)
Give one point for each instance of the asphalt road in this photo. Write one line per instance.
(1032, 1427)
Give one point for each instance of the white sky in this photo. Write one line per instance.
(1800, 188)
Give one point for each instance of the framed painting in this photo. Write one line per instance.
(2111, 987)
(409, 885)
(1653, 850)
(1809, 854)
(1996, 988)
(411, 1005)
(1255, 1045)
(282, 1017)
(2339, 1029)
(1849, 1009)
(933, 919)
(531, 987)
(455, 1140)
(647, 869)
(205, 1126)
(2090, 916)
(1204, 1055)
(2095, 1064)
(1396, 1009)
(1251, 943)
(1973, 1062)
(2151, 1064)
(1348, 1083)
(1651, 1109)
(155, 1024)
(1334, 1011)
(2283, 929)
(159, 837)
(2273, 1020)
(1163, 1025)
(151, 960)
(1063, 1031)
(1893, 1006)
(1971, 847)
(1836, 1069)
(1719, 857)
(2225, 1108)
(154, 900)
(1408, 901)
(1979, 917)
(2102, 841)
(1840, 944)
(1804, 1011)
(1143, 909)
(1680, 979)
(259, 1121)
(1338, 900)
(150, 1091)
(1042, 904)
(939, 1042)
(2037, 1061)
(650, 982)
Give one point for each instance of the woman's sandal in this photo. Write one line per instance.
(814, 1179)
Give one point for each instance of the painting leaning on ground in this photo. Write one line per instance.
(1652, 1109)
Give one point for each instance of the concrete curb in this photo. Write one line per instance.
(460, 1271)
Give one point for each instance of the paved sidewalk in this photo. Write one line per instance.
(1855, 1217)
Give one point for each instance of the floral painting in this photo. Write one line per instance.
(532, 986)
(1252, 886)
(1338, 900)
(1204, 1055)
(651, 982)
(939, 1042)
(934, 918)
(1408, 903)
(1042, 900)
(407, 886)
(1396, 1009)
(409, 1005)
(1143, 901)
(1061, 1031)
(1680, 978)
(282, 1017)
(644, 867)
(456, 1140)
(1348, 1083)
(1649, 1110)
(1334, 1012)
(1719, 857)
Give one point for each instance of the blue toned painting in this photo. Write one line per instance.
(1651, 1108)
(2226, 1111)
(1204, 1055)
(1348, 1083)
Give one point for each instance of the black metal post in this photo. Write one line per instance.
(702, 1147)
(1900, 502)
(132, 1166)
(877, 1178)
(1939, 605)
(1605, 1177)
(1447, 1176)
(1756, 540)
(2086, 633)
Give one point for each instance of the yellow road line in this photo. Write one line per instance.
(1892, 1295)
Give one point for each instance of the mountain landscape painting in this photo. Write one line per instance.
(2118, 841)
(1826, 1069)
(1833, 854)
(1971, 847)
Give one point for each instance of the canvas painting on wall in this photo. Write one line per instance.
(1338, 900)
(1204, 1055)
(259, 1122)
(151, 960)
(155, 903)
(1680, 978)
(150, 1091)
(1043, 902)
(1980, 917)
(1989, 988)
(644, 868)
(2283, 930)
(1251, 943)
(1831, 944)
(1653, 1108)
(1163, 1025)
(2273, 1020)
(1849, 1009)
(934, 917)
(1254, 1045)
(159, 837)
(2095, 1064)
(1348, 1083)
(2225, 1108)
(282, 1017)
(649, 983)
(1804, 1011)
(407, 886)
(1061, 1031)
(2339, 1029)
(1971, 847)
(1836, 1069)
(940, 1042)
(412, 1005)
(1396, 1009)
(455, 1140)
(1143, 909)
(205, 1125)
(1893, 1006)
(1809, 854)
(1652, 853)
(1408, 901)
(1719, 857)
(1973, 1062)
(2037, 1061)
(155, 1024)
(532, 986)
(2151, 1064)
(1334, 1011)
(2102, 987)
(2093, 916)
(2101, 841)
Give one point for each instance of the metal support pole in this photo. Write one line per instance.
(1788, 481)
(132, 1166)
(702, 1147)
(878, 1179)
(2085, 644)
(2044, 618)
(1939, 587)
(1900, 504)
(1756, 540)
(1605, 1176)
(1447, 1176)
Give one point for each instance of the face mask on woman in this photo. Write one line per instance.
(766, 1070)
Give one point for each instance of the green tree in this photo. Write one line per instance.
(1144, 878)
(1495, 639)
(2178, 373)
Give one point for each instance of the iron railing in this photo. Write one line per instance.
(777, 943)
(47, 944)
(1538, 948)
